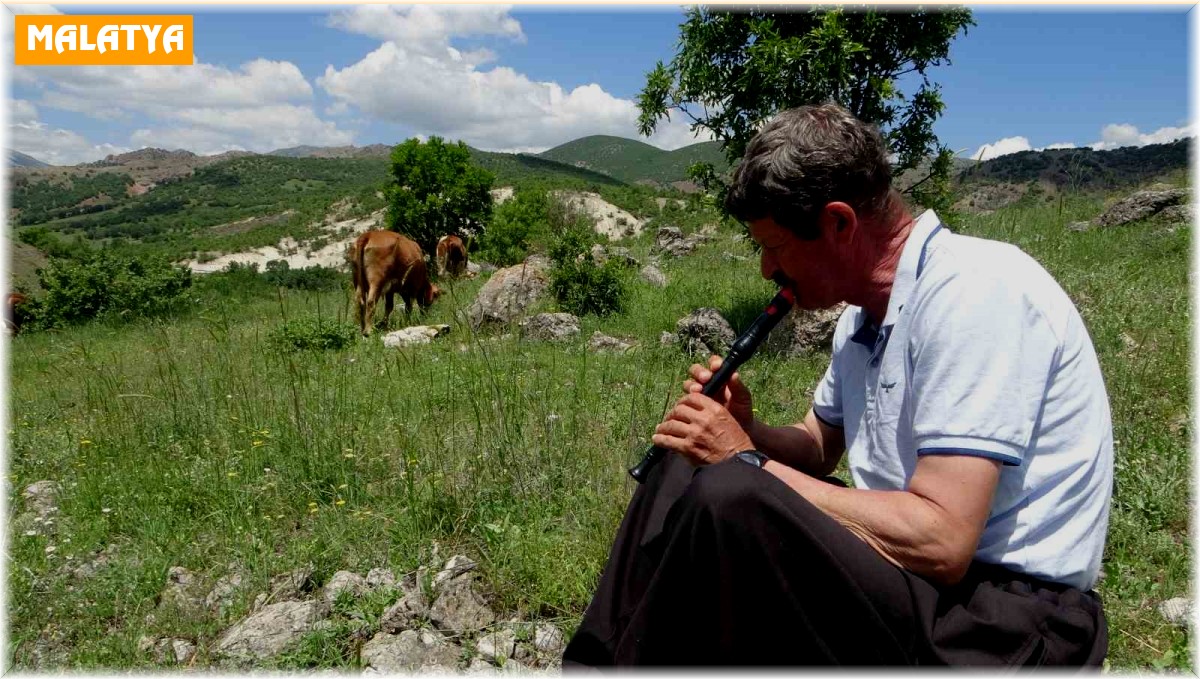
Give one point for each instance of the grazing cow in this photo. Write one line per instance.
(12, 322)
(387, 263)
(451, 256)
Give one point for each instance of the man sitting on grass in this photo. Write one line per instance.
(966, 394)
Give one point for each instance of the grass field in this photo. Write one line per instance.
(193, 442)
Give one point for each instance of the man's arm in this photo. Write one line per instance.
(811, 446)
(931, 529)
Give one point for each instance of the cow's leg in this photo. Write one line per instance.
(389, 304)
(360, 302)
(369, 313)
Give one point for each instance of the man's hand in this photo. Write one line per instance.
(735, 396)
(701, 430)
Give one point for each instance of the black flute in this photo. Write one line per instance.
(743, 348)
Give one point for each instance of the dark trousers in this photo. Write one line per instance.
(726, 565)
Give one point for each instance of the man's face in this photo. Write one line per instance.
(809, 267)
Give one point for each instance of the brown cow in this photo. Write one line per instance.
(451, 256)
(12, 323)
(387, 263)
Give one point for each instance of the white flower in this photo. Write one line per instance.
(106, 510)
(30, 533)
(50, 549)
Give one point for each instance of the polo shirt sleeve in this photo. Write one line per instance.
(827, 397)
(982, 355)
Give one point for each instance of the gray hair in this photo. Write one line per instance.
(805, 158)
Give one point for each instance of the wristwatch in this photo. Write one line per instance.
(753, 457)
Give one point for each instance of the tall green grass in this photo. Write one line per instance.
(208, 447)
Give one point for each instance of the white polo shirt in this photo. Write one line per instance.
(982, 353)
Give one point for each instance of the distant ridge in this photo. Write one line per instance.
(633, 161)
(18, 159)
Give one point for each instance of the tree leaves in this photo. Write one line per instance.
(437, 190)
(743, 66)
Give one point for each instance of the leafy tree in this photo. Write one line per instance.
(436, 190)
(736, 68)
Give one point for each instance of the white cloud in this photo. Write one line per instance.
(212, 130)
(259, 106)
(1117, 135)
(28, 134)
(428, 28)
(158, 90)
(1001, 148)
(1060, 145)
(434, 88)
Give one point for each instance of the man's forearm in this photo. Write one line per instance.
(902, 527)
(792, 445)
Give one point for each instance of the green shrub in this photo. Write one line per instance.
(518, 226)
(579, 283)
(312, 333)
(279, 273)
(108, 287)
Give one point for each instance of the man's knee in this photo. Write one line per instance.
(727, 489)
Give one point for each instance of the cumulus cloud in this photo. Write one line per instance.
(262, 128)
(1117, 135)
(258, 106)
(56, 146)
(437, 89)
(1002, 147)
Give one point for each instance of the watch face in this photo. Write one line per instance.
(752, 457)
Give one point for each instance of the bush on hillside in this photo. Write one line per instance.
(109, 287)
(519, 226)
(580, 284)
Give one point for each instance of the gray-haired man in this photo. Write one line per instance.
(963, 389)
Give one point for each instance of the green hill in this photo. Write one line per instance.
(1082, 168)
(633, 161)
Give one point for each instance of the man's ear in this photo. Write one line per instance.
(838, 221)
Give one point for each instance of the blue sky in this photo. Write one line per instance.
(527, 78)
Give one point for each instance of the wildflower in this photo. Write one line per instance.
(279, 516)
(85, 442)
(256, 443)
(340, 502)
(231, 474)
(50, 549)
(348, 456)
(30, 533)
(106, 510)
(342, 487)
(312, 510)
(312, 504)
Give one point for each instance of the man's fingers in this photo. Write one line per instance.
(691, 386)
(714, 362)
(699, 373)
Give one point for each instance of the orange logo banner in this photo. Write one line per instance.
(103, 40)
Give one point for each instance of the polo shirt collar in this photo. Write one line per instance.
(912, 261)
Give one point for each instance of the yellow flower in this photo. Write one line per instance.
(348, 455)
(312, 510)
(342, 487)
(256, 443)
(85, 442)
(231, 474)
(312, 504)
(340, 502)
